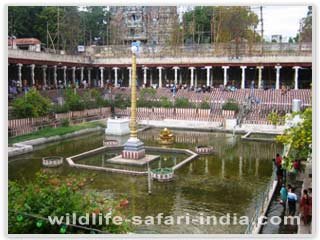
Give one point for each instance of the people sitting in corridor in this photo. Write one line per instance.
(283, 90)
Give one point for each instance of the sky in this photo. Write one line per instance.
(282, 19)
(279, 19)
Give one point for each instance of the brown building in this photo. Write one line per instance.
(151, 25)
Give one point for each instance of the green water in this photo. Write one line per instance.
(227, 181)
(265, 136)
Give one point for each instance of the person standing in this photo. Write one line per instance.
(174, 90)
(292, 200)
(284, 197)
(296, 166)
(306, 206)
(278, 160)
(252, 88)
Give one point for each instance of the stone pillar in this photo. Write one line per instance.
(74, 76)
(180, 80)
(44, 74)
(175, 74)
(191, 76)
(65, 75)
(89, 77)
(55, 81)
(160, 76)
(243, 77)
(145, 76)
(195, 78)
(208, 74)
(278, 76)
(32, 74)
(296, 77)
(130, 76)
(259, 76)
(115, 76)
(165, 74)
(19, 73)
(101, 76)
(81, 74)
(151, 82)
(225, 74)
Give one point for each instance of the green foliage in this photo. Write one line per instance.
(165, 102)
(100, 102)
(230, 22)
(147, 98)
(275, 118)
(299, 137)
(65, 122)
(146, 103)
(31, 105)
(182, 103)
(75, 26)
(23, 21)
(306, 34)
(148, 93)
(231, 105)
(121, 102)
(205, 105)
(57, 108)
(73, 100)
(50, 195)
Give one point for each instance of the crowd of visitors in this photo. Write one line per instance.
(288, 197)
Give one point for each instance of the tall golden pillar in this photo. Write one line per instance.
(134, 148)
(133, 119)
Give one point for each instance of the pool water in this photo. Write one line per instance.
(227, 181)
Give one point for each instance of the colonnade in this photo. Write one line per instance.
(148, 76)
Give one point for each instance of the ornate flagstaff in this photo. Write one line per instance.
(133, 119)
(134, 148)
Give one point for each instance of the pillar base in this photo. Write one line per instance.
(133, 149)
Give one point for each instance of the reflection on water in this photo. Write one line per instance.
(227, 181)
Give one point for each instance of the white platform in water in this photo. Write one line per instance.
(117, 126)
(140, 162)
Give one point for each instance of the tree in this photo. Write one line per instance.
(306, 33)
(274, 118)
(299, 136)
(73, 100)
(220, 24)
(97, 20)
(23, 21)
(47, 26)
(291, 40)
(63, 27)
(31, 105)
(70, 28)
